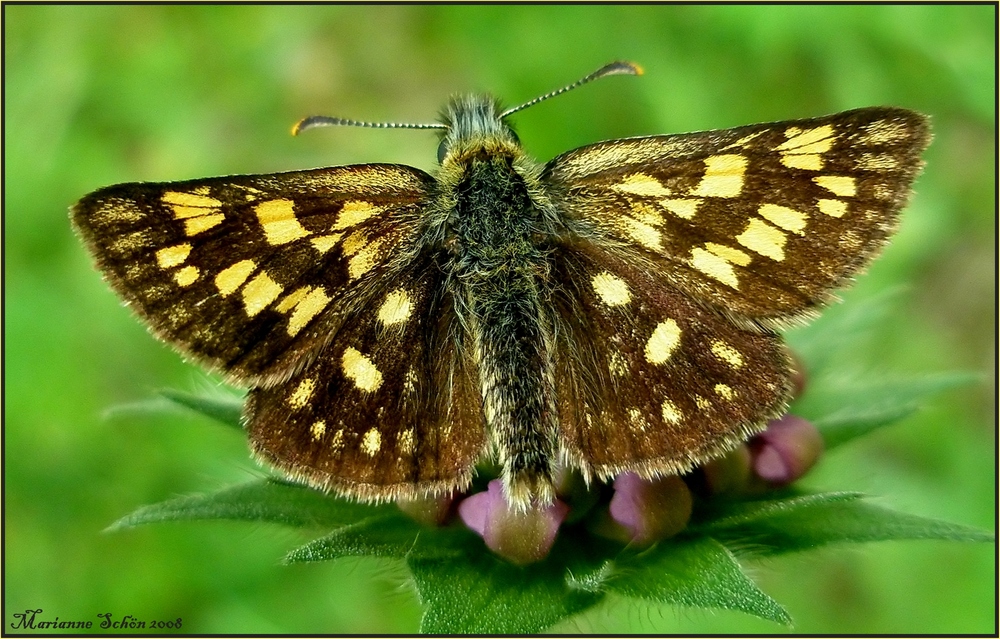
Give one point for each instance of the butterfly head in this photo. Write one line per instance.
(475, 126)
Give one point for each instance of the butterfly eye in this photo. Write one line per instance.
(442, 151)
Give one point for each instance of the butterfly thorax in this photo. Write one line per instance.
(495, 258)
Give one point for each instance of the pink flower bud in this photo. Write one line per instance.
(786, 450)
(520, 537)
(644, 511)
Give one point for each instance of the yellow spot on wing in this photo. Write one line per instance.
(642, 233)
(231, 278)
(612, 289)
(354, 243)
(727, 353)
(642, 184)
(610, 155)
(116, 211)
(714, 266)
(723, 176)
(396, 308)
(833, 208)
(617, 365)
(302, 393)
(637, 420)
(684, 208)
(189, 204)
(763, 238)
(410, 381)
(371, 442)
(173, 255)
(665, 338)
(289, 301)
(324, 243)
(671, 414)
(841, 185)
(355, 212)
(806, 161)
(850, 240)
(259, 293)
(128, 244)
(405, 441)
(337, 443)
(646, 214)
(279, 221)
(729, 254)
(725, 391)
(747, 138)
(876, 162)
(196, 225)
(883, 132)
(818, 140)
(783, 217)
(360, 370)
(308, 308)
(364, 260)
(187, 275)
(317, 430)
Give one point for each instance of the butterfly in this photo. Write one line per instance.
(614, 309)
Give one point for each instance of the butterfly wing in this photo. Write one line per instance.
(389, 409)
(649, 380)
(762, 221)
(250, 275)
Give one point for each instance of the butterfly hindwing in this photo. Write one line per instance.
(251, 274)
(649, 380)
(762, 221)
(388, 409)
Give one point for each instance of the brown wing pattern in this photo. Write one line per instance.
(389, 409)
(252, 274)
(649, 380)
(761, 221)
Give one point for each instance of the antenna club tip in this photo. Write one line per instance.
(620, 67)
(625, 67)
(297, 127)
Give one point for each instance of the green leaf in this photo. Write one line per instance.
(478, 593)
(827, 521)
(847, 410)
(228, 410)
(269, 501)
(718, 514)
(694, 572)
(389, 535)
(144, 407)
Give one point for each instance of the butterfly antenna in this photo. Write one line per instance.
(314, 121)
(615, 68)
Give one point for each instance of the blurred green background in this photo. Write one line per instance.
(100, 95)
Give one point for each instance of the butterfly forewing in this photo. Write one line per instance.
(759, 221)
(253, 274)
(649, 380)
(389, 409)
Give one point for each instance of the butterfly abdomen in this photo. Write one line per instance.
(495, 263)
